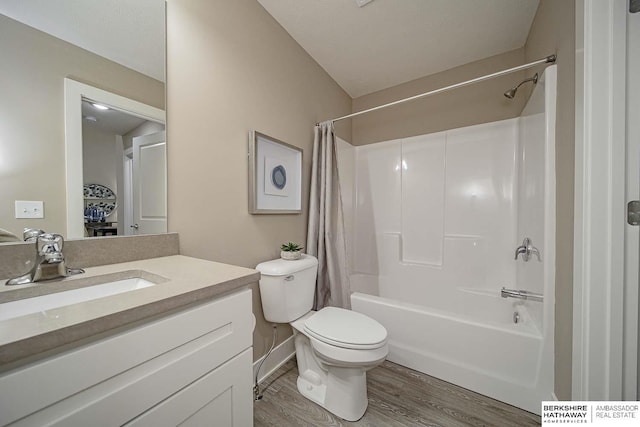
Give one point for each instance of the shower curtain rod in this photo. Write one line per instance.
(545, 60)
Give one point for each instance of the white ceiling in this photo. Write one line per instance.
(129, 32)
(388, 42)
(109, 121)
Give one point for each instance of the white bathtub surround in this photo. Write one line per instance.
(438, 209)
(325, 232)
(435, 221)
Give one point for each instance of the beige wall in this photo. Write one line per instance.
(33, 66)
(231, 68)
(553, 30)
(99, 159)
(478, 103)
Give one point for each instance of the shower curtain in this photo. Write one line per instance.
(325, 232)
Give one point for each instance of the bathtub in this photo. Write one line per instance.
(491, 355)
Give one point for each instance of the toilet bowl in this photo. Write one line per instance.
(334, 347)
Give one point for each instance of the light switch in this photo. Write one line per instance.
(29, 209)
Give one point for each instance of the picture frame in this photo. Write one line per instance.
(275, 176)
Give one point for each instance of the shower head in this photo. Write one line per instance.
(511, 93)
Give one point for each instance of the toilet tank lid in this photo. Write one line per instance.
(281, 267)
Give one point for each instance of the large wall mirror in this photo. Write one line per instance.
(60, 60)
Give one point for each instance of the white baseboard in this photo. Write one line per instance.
(278, 357)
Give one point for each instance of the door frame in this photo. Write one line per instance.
(599, 222)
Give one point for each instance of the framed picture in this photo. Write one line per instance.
(275, 176)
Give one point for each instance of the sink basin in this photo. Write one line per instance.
(9, 310)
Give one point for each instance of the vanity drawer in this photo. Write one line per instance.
(111, 381)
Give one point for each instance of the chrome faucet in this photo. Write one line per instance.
(527, 249)
(49, 264)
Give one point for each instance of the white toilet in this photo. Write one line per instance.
(334, 347)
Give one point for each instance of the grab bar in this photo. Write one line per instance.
(526, 295)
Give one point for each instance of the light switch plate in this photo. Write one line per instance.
(29, 209)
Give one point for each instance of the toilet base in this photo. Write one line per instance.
(340, 390)
(344, 394)
(314, 392)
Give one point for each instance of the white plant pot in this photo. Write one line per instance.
(289, 255)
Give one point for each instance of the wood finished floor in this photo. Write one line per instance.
(398, 396)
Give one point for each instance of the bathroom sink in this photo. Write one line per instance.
(9, 310)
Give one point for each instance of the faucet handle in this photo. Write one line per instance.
(527, 249)
(49, 244)
(31, 234)
(524, 249)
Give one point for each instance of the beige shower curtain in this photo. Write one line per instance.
(325, 233)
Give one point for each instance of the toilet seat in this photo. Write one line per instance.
(346, 329)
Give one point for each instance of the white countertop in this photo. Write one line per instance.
(183, 281)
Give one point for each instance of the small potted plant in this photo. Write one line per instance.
(290, 251)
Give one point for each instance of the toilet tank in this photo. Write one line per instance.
(287, 288)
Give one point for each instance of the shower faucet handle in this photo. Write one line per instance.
(527, 249)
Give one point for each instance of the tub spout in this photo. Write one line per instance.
(526, 295)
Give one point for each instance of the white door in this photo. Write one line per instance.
(631, 381)
(150, 184)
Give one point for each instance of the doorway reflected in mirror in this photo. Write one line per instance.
(111, 161)
(105, 136)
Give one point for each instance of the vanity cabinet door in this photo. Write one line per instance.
(131, 372)
(222, 398)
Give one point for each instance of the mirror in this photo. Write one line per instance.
(33, 154)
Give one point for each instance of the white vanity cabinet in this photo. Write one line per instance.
(192, 367)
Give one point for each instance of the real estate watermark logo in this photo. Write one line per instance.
(590, 413)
